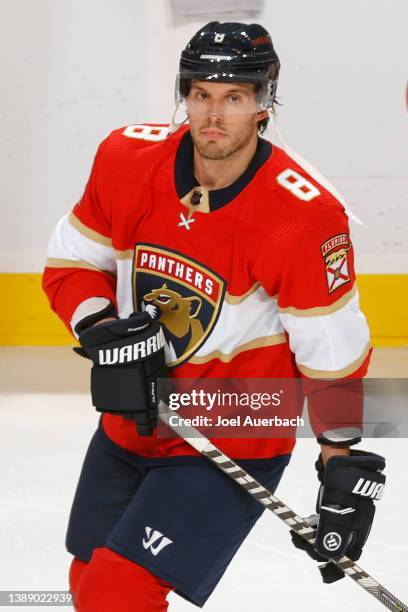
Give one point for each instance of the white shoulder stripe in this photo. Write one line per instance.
(88, 232)
(68, 243)
(328, 343)
(253, 318)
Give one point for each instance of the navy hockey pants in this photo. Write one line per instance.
(183, 521)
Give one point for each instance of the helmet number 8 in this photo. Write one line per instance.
(298, 185)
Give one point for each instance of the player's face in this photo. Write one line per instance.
(223, 117)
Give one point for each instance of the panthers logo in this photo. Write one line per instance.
(183, 295)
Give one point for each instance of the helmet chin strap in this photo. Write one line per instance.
(174, 124)
(274, 115)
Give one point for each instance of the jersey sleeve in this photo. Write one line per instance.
(318, 300)
(328, 334)
(80, 273)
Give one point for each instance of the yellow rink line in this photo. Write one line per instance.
(26, 318)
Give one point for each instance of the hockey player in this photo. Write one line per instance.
(221, 254)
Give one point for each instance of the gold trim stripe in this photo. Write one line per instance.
(237, 299)
(122, 255)
(336, 373)
(69, 263)
(99, 238)
(227, 357)
(88, 232)
(321, 310)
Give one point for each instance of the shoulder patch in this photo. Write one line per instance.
(334, 252)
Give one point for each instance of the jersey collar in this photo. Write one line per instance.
(194, 195)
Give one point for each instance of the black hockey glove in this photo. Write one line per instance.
(345, 503)
(128, 357)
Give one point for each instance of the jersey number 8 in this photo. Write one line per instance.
(146, 132)
(298, 185)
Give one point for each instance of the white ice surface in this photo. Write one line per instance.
(43, 441)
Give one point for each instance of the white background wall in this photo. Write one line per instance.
(73, 70)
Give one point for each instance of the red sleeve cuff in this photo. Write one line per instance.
(336, 407)
(67, 288)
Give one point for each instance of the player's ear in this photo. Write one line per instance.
(261, 115)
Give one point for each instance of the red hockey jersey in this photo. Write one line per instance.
(255, 280)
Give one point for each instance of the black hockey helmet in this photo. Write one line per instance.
(230, 51)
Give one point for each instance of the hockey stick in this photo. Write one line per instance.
(198, 441)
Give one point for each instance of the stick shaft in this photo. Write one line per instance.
(254, 488)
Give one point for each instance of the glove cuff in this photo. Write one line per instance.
(321, 439)
(90, 320)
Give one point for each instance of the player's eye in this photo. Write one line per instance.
(201, 95)
(234, 99)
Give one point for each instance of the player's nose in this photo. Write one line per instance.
(215, 109)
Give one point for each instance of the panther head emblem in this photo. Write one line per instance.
(177, 314)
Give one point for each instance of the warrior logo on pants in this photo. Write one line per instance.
(155, 541)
